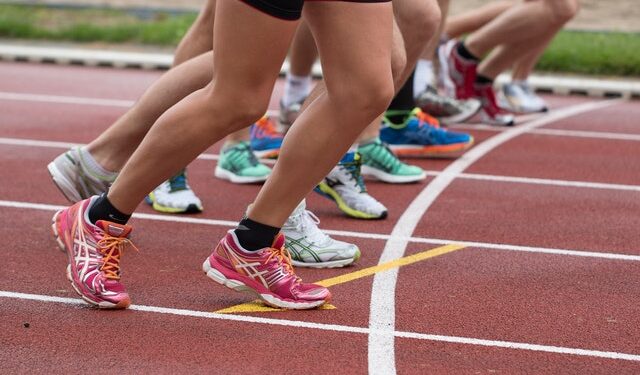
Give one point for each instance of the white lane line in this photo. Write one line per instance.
(556, 132)
(589, 134)
(544, 181)
(67, 145)
(58, 99)
(339, 328)
(77, 100)
(470, 176)
(365, 235)
(382, 317)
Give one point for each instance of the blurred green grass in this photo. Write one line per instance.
(580, 52)
(91, 25)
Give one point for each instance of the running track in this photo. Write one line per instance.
(545, 280)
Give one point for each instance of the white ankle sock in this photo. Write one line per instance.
(296, 88)
(423, 76)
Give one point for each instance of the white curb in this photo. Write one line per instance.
(556, 84)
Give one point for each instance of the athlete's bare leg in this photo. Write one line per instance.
(240, 91)
(303, 52)
(557, 13)
(114, 146)
(357, 91)
(519, 23)
(470, 21)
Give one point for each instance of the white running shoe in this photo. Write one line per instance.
(74, 179)
(518, 97)
(345, 186)
(310, 247)
(175, 196)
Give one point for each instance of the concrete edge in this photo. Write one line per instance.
(556, 84)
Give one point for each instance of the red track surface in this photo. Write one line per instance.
(480, 292)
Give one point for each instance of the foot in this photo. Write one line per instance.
(94, 253)
(310, 247)
(265, 139)
(175, 196)
(266, 272)
(447, 110)
(239, 165)
(421, 135)
(75, 179)
(491, 113)
(289, 114)
(461, 72)
(380, 162)
(518, 97)
(345, 186)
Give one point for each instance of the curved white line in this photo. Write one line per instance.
(382, 312)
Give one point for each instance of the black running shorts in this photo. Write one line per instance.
(291, 9)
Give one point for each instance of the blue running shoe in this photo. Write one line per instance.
(265, 139)
(421, 135)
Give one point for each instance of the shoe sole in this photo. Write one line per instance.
(269, 299)
(390, 178)
(452, 150)
(331, 194)
(331, 264)
(65, 186)
(102, 304)
(268, 154)
(462, 117)
(224, 174)
(190, 209)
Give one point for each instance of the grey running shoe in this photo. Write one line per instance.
(310, 247)
(446, 110)
(74, 179)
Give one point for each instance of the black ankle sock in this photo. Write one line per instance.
(403, 103)
(102, 209)
(483, 80)
(254, 236)
(464, 52)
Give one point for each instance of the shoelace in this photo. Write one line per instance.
(308, 220)
(353, 168)
(267, 126)
(385, 156)
(111, 249)
(245, 154)
(178, 182)
(283, 257)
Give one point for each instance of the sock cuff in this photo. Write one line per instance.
(93, 168)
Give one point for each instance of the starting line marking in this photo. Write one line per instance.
(257, 306)
(340, 328)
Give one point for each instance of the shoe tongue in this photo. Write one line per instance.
(114, 229)
(348, 157)
(278, 242)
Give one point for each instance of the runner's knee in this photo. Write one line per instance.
(563, 10)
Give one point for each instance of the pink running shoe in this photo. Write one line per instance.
(462, 73)
(94, 253)
(266, 272)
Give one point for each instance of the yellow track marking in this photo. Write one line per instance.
(258, 306)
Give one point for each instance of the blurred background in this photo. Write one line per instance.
(603, 40)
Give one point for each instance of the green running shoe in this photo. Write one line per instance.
(380, 162)
(239, 165)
